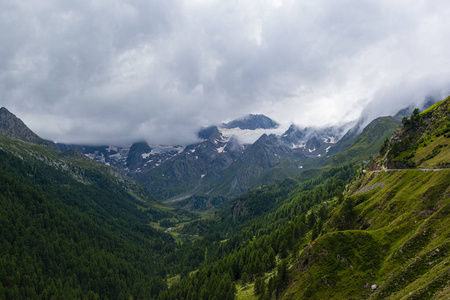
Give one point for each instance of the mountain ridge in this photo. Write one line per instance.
(13, 127)
(223, 168)
(252, 122)
(221, 165)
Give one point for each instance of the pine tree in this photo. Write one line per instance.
(260, 286)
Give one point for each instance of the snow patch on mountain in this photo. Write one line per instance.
(221, 149)
(146, 155)
(301, 145)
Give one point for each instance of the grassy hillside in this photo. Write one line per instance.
(422, 141)
(391, 231)
(389, 238)
(367, 144)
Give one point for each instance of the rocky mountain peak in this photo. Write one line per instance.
(293, 135)
(252, 122)
(13, 127)
(208, 132)
(137, 153)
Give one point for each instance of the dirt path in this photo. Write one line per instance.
(391, 170)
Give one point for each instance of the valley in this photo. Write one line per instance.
(222, 219)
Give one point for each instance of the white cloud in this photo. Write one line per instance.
(118, 71)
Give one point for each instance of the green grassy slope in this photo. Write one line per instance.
(396, 237)
(389, 238)
(368, 142)
(422, 141)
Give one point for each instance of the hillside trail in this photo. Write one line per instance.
(422, 169)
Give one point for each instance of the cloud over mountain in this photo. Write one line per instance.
(119, 71)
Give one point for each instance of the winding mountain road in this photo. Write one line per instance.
(422, 169)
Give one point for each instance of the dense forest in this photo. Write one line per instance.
(69, 239)
(260, 237)
(72, 228)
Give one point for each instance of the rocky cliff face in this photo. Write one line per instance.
(137, 154)
(13, 127)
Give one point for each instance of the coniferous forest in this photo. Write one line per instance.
(74, 229)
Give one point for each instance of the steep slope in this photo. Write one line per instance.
(13, 127)
(314, 142)
(261, 163)
(73, 228)
(422, 141)
(389, 239)
(192, 170)
(367, 144)
(132, 161)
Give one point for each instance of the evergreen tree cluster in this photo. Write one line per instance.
(65, 239)
(273, 237)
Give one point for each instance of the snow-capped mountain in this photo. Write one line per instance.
(227, 160)
(314, 142)
(139, 157)
(246, 130)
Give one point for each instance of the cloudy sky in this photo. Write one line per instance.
(110, 71)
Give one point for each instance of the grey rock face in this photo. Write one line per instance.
(252, 122)
(13, 127)
(137, 154)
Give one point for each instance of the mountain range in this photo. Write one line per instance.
(225, 163)
(343, 227)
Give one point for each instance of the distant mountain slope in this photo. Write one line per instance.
(261, 163)
(192, 170)
(316, 142)
(229, 168)
(366, 144)
(221, 165)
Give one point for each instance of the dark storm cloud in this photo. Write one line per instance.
(118, 71)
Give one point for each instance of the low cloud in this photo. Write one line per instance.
(120, 71)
